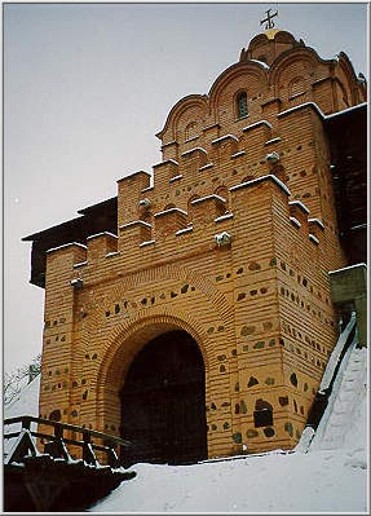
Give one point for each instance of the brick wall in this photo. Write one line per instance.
(259, 307)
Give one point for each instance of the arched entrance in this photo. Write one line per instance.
(163, 401)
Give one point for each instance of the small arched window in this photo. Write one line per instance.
(242, 110)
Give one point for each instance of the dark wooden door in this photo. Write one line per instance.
(163, 402)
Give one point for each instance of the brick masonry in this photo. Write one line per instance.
(258, 307)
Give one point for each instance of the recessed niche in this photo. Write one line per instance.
(237, 437)
(247, 330)
(269, 431)
(294, 380)
(252, 381)
(55, 415)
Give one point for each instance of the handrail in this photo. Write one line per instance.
(64, 426)
(56, 441)
(320, 402)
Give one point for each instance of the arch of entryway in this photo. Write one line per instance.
(124, 345)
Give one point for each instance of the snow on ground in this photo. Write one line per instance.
(27, 401)
(322, 480)
(25, 404)
(317, 482)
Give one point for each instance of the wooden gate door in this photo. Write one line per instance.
(163, 402)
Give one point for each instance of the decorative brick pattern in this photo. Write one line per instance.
(259, 308)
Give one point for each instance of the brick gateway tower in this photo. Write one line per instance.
(192, 313)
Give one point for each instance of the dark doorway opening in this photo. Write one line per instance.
(163, 402)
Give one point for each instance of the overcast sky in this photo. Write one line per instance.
(87, 86)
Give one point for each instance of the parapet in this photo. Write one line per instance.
(259, 209)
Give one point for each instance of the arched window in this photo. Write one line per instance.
(242, 110)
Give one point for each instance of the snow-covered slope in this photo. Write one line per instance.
(339, 426)
(330, 477)
(25, 404)
(325, 479)
(27, 401)
(320, 481)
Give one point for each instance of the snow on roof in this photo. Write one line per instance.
(175, 178)
(134, 222)
(226, 216)
(148, 242)
(151, 187)
(204, 167)
(256, 124)
(64, 246)
(184, 230)
(102, 233)
(319, 110)
(207, 197)
(295, 221)
(300, 204)
(173, 161)
(273, 140)
(301, 106)
(317, 221)
(355, 266)
(262, 63)
(170, 210)
(80, 264)
(359, 226)
(260, 179)
(313, 238)
(225, 137)
(347, 110)
(185, 153)
(237, 154)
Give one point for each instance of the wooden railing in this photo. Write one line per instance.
(61, 441)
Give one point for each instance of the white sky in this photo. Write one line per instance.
(87, 86)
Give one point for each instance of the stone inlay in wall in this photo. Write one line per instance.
(237, 437)
(252, 381)
(247, 330)
(269, 431)
(289, 428)
(294, 380)
(283, 400)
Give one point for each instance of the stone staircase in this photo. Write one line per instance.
(349, 388)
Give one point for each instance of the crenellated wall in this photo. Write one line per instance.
(246, 302)
(229, 239)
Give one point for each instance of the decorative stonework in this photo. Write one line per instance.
(230, 243)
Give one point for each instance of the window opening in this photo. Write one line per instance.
(242, 105)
